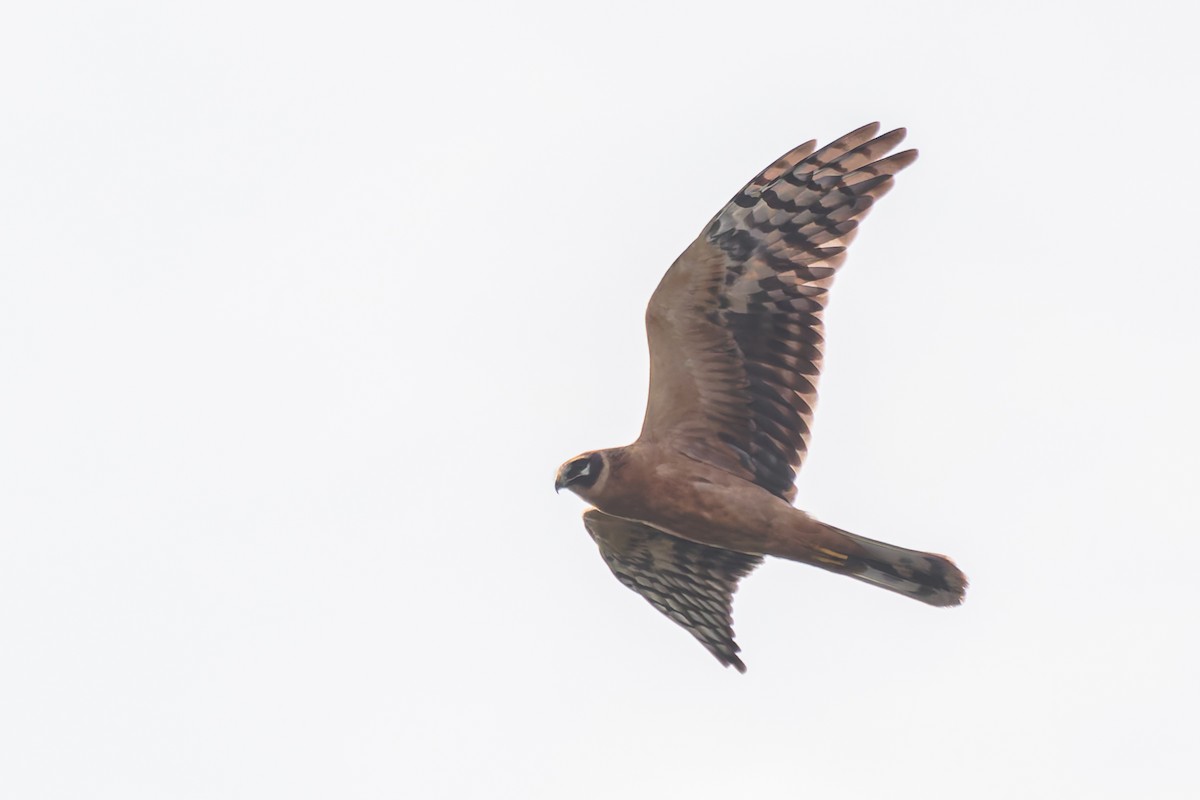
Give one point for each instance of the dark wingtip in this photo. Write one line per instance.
(733, 661)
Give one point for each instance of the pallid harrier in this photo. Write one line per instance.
(735, 349)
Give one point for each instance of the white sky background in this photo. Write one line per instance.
(301, 307)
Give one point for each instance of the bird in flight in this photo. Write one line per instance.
(735, 334)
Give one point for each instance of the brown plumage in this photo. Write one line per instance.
(735, 337)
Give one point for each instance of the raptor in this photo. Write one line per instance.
(735, 334)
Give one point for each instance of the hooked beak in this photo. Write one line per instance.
(559, 480)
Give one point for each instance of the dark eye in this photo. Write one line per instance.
(584, 471)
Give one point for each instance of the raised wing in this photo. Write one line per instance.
(691, 583)
(735, 325)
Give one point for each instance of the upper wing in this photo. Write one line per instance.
(691, 583)
(735, 325)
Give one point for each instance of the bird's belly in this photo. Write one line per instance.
(719, 510)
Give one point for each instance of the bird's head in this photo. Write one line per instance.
(580, 473)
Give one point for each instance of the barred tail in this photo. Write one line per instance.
(927, 577)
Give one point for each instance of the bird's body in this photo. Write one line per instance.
(693, 500)
(735, 336)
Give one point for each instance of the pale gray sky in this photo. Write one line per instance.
(302, 305)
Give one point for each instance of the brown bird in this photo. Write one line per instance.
(735, 338)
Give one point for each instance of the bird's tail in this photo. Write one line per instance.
(928, 577)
